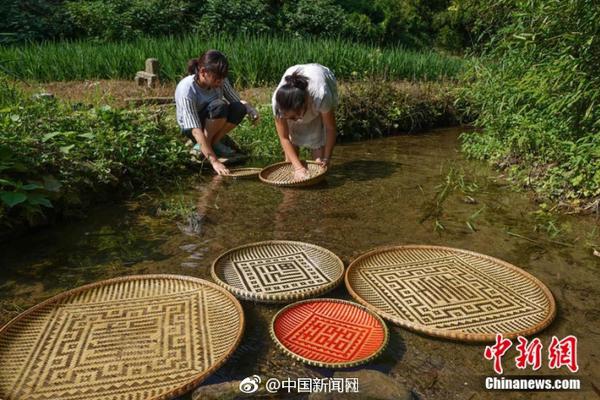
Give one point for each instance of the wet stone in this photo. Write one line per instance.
(189, 265)
(189, 247)
(224, 391)
(372, 385)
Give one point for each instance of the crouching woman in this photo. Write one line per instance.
(208, 107)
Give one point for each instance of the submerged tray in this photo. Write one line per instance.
(278, 271)
(329, 333)
(243, 172)
(282, 174)
(450, 293)
(139, 337)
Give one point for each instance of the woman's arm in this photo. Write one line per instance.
(208, 151)
(330, 132)
(232, 96)
(289, 149)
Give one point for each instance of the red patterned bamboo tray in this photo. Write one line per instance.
(278, 271)
(329, 333)
(282, 174)
(137, 337)
(450, 293)
(243, 172)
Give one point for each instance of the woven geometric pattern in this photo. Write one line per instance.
(282, 174)
(141, 337)
(450, 293)
(243, 172)
(278, 271)
(329, 332)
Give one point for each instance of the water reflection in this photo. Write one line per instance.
(376, 194)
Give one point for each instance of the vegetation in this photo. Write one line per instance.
(535, 88)
(411, 23)
(255, 61)
(55, 156)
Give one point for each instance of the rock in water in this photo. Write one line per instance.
(373, 385)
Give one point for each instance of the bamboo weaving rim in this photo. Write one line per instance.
(281, 174)
(521, 304)
(322, 364)
(243, 172)
(278, 263)
(177, 322)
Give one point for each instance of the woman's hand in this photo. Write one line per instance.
(301, 174)
(252, 113)
(323, 162)
(219, 167)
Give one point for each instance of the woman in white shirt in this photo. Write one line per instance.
(304, 107)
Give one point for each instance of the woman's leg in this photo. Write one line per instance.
(296, 149)
(318, 153)
(229, 116)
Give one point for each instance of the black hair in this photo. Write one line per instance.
(213, 61)
(291, 96)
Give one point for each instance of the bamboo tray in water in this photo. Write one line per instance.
(137, 337)
(450, 293)
(278, 271)
(329, 333)
(243, 172)
(282, 174)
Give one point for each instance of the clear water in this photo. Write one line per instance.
(378, 192)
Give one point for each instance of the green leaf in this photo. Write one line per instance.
(11, 199)
(6, 182)
(51, 184)
(577, 180)
(66, 149)
(88, 135)
(37, 198)
(50, 135)
(470, 225)
(32, 186)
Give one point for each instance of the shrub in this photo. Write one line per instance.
(235, 17)
(52, 156)
(536, 91)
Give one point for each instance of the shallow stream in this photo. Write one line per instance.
(397, 190)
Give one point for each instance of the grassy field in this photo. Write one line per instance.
(255, 61)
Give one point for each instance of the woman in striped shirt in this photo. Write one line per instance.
(207, 105)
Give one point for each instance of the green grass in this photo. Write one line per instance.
(254, 61)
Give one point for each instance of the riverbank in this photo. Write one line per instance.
(61, 154)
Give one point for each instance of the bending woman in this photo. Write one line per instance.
(304, 106)
(207, 105)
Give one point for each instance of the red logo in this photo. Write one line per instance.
(529, 353)
(563, 352)
(496, 352)
(560, 353)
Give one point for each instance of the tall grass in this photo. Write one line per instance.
(254, 60)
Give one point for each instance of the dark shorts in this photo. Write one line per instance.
(234, 113)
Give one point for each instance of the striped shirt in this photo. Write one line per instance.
(191, 99)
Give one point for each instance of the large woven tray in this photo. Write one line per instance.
(450, 293)
(243, 172)
(282, 174)
(137, 337)
(329, 333)
(278, 271)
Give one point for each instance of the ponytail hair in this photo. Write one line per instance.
(213, 61)
(291, 96)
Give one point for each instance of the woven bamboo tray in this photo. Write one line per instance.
(137, 337)
(243, 172)
(329, 333)
(282, 174)
(450, 293)
(278, 271)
